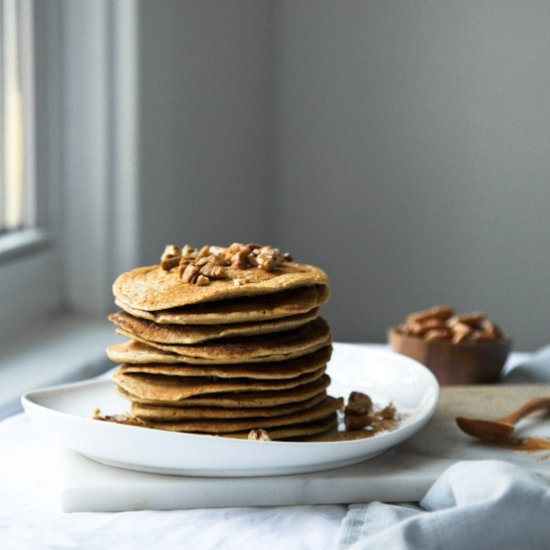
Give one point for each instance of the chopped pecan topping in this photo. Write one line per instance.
(209, 263)
(202, 280)
(190, 274)
(170, 257)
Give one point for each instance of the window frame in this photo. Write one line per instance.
(86, 170)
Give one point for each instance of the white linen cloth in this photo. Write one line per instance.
(473, 504)
(476, 504)
(30, 516)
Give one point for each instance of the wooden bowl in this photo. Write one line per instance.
(464, 363)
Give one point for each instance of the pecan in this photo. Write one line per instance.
(472, 319)
(430, 324)
(212, 270)
(202, 280)
(358, 404)
(438, 335)
(437, 312)
(184, 262)
(170, 257)
(240, 260)
(204, 251)
(190, 274)
(480, 336)
(189, 252)
(268, 258)
(388, 412)
(492, 330)
(413, 329)
(259, 434)
(239, 281)
(461, 333)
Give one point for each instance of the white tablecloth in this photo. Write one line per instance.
(30, 516)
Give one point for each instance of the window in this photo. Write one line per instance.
(16, 116)
(67, 148)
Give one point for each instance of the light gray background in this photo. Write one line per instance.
(404, 146)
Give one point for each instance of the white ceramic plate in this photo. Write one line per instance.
(65, 411)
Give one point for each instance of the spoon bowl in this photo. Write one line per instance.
(488, 430)
(500, 428)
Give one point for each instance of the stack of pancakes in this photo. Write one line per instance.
(240, 350)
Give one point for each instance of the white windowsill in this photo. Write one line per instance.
(60, 349)
(17, 242)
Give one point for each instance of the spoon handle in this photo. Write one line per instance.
(528, 408)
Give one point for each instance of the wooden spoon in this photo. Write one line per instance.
(501, 428)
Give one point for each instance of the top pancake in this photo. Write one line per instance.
(151, 288)
(240, 310)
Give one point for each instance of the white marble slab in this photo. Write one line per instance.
(401, 475)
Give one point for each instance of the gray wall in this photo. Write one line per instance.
(204, 76)
(403, 146)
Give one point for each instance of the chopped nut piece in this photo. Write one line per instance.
(239, 260)
(461, 332)
(190, 274)
(170, 257)
(202, 280)
(118, 418)
(438, 335)
(472, 319)
(437, 312)
(268, 258)
(388, 412)
(492, 329)
(259, 434)
(213, 271)
(413, 329)
(189, 252)
(358, 403)
(430, 324)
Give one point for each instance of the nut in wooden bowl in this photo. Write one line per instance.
(458, 349)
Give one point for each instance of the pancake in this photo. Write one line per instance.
(244, 400)
(176, 388)
(273, 347)
(150, 288)
(299, 432)
(240, 310)
(218, 426)
(137, 353)
(168, 413)
(275, 371)
(194, 334)
(296, 431)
